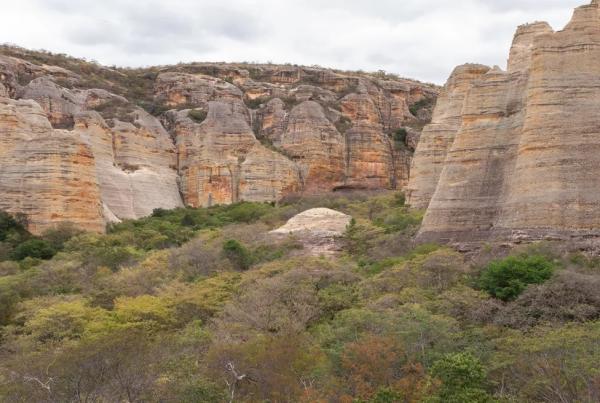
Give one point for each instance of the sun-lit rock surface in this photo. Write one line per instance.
(438, 136)
(523, 163)
(317, 229)
(46, 174)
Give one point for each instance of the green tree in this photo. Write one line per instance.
(34, 248)
(239, 256)
(59, 235)
(506, 279)
(12, 230)
(462, 379)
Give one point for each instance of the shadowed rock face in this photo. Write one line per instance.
(522, 163)
(217, 134)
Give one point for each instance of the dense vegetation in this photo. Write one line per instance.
(201, 305)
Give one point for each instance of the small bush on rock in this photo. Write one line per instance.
(197, 115)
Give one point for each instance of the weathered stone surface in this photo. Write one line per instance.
(176, 89)
(369, 151)
(134, 166)
(523, 163)
(221, 162)
(336, 140)
(14, 73)
(315, 144)
(272, 120)
(135, 160)
(62, 104)
(317, 229)
(134, 163)
(227, 133)
(438, 136)
(46, 174)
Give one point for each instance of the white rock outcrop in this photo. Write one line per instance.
(317, 229)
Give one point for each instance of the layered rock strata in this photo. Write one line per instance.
(48, 175)
(221, 162)
(522, 162)
(208, 134)
(438, 137)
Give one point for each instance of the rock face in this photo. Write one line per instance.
(221, 162)
(46, 174)
(438, 136)
(135, 165)
(207, 134)
(317, 229)
(313, 141)
(521, 163)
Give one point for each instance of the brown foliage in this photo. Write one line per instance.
(376, 362)
(569, 297)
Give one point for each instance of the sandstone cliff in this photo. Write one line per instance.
(94, 145)
(513, 154)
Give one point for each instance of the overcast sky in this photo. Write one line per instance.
(421, 39)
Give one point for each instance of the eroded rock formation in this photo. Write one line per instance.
(78, 146)
(46, 174)
(319, 230)
(520, 154)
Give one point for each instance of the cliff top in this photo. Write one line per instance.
(136, 84)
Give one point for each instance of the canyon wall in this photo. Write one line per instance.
(93, 145)
(514, 154)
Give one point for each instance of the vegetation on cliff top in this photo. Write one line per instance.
(201, 305)
(137, 84)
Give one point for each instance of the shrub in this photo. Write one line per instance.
(400, 199)
(34, 248)
(197, 115)
(506, 279)
(196, 259)
(102, 251)
(343, 124)
(398, 220)
(422, 104)
(11, 229)
(160, 212)
(568, 297)
(188, 220)
(440, 270)
(153, 108)
(246, 212)
(239, 256)
(58, 236)
(462, 377)
(399, 137)
(370, 363)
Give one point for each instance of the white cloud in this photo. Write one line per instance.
(423, 39)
